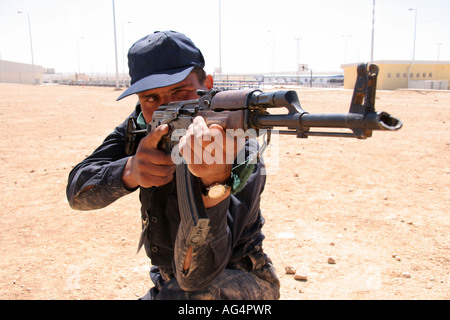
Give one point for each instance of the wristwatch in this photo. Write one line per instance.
(216, 190)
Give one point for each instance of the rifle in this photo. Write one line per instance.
(249, 110)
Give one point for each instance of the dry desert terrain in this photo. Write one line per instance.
(379, 208)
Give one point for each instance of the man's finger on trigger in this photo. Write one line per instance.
(156, 135)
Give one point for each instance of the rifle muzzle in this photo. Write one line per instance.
(382, 121)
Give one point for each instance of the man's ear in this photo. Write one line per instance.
(209, 82)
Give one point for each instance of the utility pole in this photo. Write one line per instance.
(415, 34)
(31, 45)
(414, 46)
(439, 51)
(115, 45)
(373, 32)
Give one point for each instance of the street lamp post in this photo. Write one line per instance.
(79, 59)
(414, 46)
(31, 45)
(415, 33)
(115, 45)
(1, 69)
(373, 32)
(298, 59)
(439, 50)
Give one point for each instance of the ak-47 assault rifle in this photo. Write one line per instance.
(240, 109)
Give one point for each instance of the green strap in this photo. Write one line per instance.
(141, 121)
(241, 173)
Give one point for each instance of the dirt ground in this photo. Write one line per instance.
(378, 207)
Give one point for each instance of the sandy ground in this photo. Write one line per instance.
(378, 207)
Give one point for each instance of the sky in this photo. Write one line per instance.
(257, 36)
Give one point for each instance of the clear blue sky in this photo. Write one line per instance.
(72, 35)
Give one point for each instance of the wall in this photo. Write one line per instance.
(16, 72)
(396, 74)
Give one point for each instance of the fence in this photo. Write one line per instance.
(221, 82)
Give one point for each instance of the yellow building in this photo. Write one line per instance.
(403, 74)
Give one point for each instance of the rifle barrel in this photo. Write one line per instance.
(369, 121)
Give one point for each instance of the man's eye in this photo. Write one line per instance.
(152, 99)
(181, 94)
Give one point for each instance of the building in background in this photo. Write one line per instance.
(16, 72)
(403, 74)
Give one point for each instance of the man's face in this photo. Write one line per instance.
(151, 100)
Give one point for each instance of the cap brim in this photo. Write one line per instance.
(157, 80)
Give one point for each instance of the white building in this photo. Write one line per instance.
(16, 72)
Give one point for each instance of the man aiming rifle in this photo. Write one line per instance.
(201, 219)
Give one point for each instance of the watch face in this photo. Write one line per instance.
(216, 191)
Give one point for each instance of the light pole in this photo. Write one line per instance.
(115, 45)
(373, 32)
(31, 45)
(79, 59)
(415, 33)
(1, 69)
(414, 47)
(298, 59)
(439, 50)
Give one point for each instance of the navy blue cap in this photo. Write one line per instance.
(161, 59)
